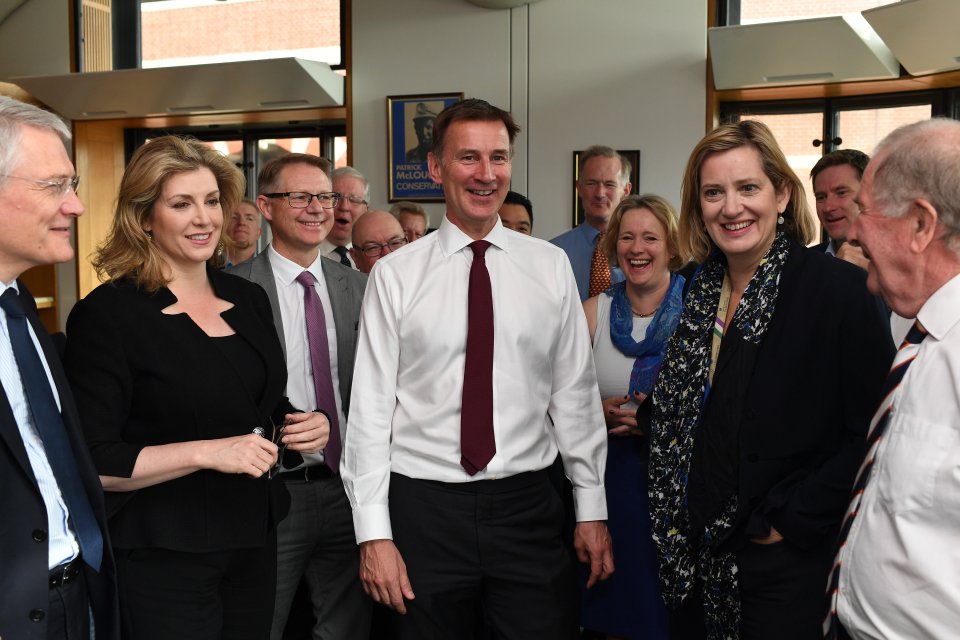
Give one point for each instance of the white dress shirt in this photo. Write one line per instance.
(62, 544)
(329, 250)
(900, 567)
(300, 388)
(408, 378)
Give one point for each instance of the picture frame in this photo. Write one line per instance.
(632, 156)
(410, 137)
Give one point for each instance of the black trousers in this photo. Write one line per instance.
(68, 611)
(782, 595)
(219, 595)
(490, 548)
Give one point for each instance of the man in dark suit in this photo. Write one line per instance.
(316, 541)
(55, 562)
(836, 182)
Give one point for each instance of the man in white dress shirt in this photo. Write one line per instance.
(442, 538)
(900, 567)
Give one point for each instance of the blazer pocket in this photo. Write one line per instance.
(906, 473)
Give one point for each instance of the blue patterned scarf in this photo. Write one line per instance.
(649, 351)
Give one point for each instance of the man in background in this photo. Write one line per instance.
(243, 231)
(413, 219)
(603, 180)
(354, 195)
(836, 182)
(516, 213)
(375, 235)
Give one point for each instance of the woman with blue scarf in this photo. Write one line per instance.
(630, 324)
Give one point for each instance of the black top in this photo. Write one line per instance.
(142, 377)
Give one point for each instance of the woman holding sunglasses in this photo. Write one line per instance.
(179, 378)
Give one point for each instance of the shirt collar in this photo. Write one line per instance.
(941, 312)
(589, 231)
(286, 270)
(452, 239)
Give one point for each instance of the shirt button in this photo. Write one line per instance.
(39, 535)
(37, 615)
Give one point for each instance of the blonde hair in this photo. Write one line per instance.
(695, 243)
(128, 251)
(661, 210)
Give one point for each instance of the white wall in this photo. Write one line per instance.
(627, 73)
(35, 39)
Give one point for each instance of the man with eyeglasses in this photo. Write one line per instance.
(316, 308)
(55, 559)
(375, 235)
(354, 195)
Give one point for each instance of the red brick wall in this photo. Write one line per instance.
(261, 25)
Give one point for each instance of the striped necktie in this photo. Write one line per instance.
(901, 362)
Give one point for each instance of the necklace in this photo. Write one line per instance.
(644, 315)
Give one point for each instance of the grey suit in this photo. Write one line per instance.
(316, 541)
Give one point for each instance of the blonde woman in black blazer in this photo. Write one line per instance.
(179, 379)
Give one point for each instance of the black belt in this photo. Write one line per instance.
(309, 474)
(65, 573)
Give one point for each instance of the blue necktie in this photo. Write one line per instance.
(49, 424)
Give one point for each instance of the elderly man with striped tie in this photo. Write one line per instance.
(897, 573)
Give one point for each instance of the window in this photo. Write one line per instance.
(754, 11)
(808, 129)
(184, 32)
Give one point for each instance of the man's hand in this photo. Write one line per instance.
(384, 575)
(773, 538)
(593, 545)
(853, 255)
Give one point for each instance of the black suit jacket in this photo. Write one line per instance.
(24, 585)
(142, 377)
(813, 391)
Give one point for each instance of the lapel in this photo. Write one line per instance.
(262, 273)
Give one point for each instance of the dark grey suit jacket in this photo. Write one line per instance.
(24, 583)
(345, 286)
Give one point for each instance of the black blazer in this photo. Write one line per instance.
(142, 377)
(813, 391)
(24, 585)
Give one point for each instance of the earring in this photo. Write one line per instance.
(220, 247)
(149, 234)
(780, 219)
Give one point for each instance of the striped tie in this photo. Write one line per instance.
(905, 355)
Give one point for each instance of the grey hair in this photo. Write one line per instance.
(350, 172)
(921, 160)
(14, 116)
(603, 151)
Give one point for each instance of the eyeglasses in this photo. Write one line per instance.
(276, 437)
(301, 199)
(57, 188)
(373, 249)
(354, 200)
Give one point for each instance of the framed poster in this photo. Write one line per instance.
(410, 138)
(632, 156)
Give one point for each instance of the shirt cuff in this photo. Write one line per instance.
(372, 523)
(590, 504)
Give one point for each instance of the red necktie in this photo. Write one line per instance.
(599, 270)
(477, 444)
(320, 363)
